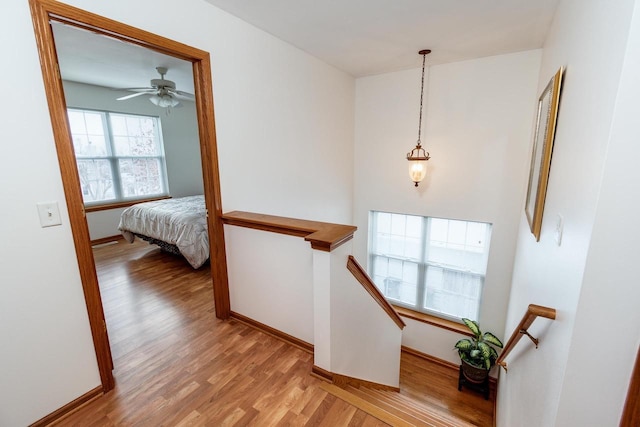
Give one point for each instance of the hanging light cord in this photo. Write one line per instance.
(424, 59)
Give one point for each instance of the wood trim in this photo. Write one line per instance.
(429, 358)
(107, 239)
(433, 320)
(363, 278)
(532, 313)
(69, 408)
(297, 342)
(365, 406)
(82, 19)
(540, 311)
(493, 381)
(345, 380)
(322, 236)
(322, 374)
(42, 12)
(631, 412)
(211, 181)
(106, 207)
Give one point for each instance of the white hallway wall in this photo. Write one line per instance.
(276, 108)
(547, 387)
(179, 134)
(280, 275)
(478, 118)
(610, 293)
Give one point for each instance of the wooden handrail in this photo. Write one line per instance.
(363, 278)
(533, 311)
(323, 236)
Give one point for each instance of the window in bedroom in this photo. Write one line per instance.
(432, 265)
(120, 157)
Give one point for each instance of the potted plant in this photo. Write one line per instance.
(477, 354)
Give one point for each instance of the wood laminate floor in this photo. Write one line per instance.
(177, 365)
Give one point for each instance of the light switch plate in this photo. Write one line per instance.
(49, 214)
(558, 233)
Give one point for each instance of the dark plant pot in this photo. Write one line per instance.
(473, 373)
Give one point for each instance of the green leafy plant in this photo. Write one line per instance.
(477, 351)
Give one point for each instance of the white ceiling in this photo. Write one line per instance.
(364, 37)
(360, 37)
(95, 59)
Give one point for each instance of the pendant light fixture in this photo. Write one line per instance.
(418, 157)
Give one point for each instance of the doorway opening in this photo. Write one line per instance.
(43, 13)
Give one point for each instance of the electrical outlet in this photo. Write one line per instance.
(49, 214)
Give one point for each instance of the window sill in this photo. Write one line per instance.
(124, 204)
(433, 320)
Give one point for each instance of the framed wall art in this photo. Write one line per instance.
(544, 134)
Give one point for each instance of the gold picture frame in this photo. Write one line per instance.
(541, 156)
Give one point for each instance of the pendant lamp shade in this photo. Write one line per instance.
(418, 156)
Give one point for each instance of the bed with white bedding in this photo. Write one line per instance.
(178, 223)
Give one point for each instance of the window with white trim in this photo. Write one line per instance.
(432, 265)
(120, 157)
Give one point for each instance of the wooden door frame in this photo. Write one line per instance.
(631, 413)
(44, 11)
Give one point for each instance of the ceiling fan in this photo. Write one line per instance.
(163, 92)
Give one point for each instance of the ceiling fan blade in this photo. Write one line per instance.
(133, 95)
(183, 95)
(186, 94)
(135, 89)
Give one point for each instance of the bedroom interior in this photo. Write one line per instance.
(93, 66)
(356, 131)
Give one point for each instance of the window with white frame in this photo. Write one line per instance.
(120, 156)
(432, 265)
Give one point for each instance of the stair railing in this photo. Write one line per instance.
(533, 312)
(363, 278)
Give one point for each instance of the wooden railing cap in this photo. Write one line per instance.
(324, 236)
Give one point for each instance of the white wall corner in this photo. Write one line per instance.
(322, 309)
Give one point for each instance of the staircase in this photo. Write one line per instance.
(428, 397)
(339, 312)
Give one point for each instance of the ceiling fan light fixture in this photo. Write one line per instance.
(163, 93)
(164, 101)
